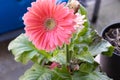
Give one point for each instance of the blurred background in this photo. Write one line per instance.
(100, 12)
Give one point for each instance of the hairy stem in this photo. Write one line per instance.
(67, 54)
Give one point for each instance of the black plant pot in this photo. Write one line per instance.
(111, 65)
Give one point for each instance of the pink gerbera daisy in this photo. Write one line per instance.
(48, 24)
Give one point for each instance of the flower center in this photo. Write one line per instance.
(50, 24)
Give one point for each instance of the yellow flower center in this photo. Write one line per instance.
(50, 24)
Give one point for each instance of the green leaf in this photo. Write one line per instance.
(37, 73)
(88, 67)
(95, 75)
(61, 73)
(82, 10)
(85, 56)
(24, 50)
(102, 46)
(88, 37)
(109, 52)
(58, 56)
(85, 40)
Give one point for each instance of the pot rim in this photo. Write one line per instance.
(107, 26)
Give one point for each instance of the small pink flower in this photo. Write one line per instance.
(48, 24)
(53, 65)
(79, 21)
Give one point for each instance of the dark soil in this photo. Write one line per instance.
(113, 36)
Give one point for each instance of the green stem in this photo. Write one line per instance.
(67, 54)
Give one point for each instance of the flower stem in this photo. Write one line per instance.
(67, 54)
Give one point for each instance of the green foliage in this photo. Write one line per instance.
(85, 56)
(95, 75)
(89, 39)
(109, 52)
(58, 56)
(88, 67)
(61, 73)
(86, 46)
(42, 73)
(37, 73)
(102, 46)
(24, 50)
(82, 10)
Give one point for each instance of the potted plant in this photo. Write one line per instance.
(111, 65)
(60, 42)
